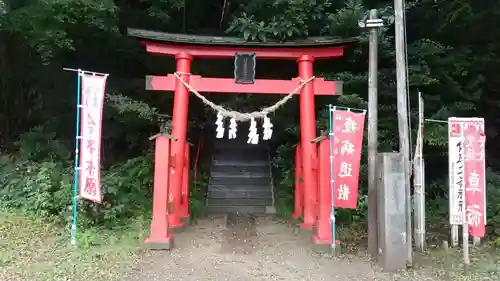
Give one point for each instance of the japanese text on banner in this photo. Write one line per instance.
(93, 88)
(475, 180)
(456, 159)
(348, 128)
(457, 174)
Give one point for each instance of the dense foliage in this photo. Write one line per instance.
(453, 54)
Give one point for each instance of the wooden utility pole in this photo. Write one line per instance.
(402, 108)
(374, 23)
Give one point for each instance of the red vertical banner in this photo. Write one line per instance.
(348, 128)
(93, 87)
(456, 164)
(475, 183)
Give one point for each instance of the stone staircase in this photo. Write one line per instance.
(240, 178)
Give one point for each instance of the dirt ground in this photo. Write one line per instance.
(254, 248)
(215, 248)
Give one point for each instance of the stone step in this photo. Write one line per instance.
(237, 209)
(237, 194)
(240, 202)
(239, 187)
(235, 181)
(241, 157)
(240, 170)
(236, 145)
(242, 176)
(237, 162)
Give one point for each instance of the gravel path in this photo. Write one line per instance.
(263, 248)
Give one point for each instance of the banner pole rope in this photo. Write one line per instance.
(85, 71)
(332, 181)
(77, 154)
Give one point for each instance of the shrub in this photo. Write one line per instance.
(39, 180)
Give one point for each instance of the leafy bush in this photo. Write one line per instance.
(127, 190)
(197, 192)
(40, 180)
(37, 187)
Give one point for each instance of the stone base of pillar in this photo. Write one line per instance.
(322, 240)
(306, 225)
(326, 248)
(165, 243)
(174, 221)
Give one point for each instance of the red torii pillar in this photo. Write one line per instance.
(299, 189)
(185, 187)
(307, 134)
(179, 127)
(324, 224)
(159, 237)
(305, 58)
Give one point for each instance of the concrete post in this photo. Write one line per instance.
(391, 211)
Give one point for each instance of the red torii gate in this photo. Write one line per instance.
(185, 48)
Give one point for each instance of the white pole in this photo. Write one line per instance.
(451, 187)
(465, 225)
(454, 235)
(419, 181)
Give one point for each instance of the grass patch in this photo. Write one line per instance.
(485, 263)
(32, 249)
(447, 264)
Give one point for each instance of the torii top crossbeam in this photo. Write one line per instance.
(185, 48)
(226, 47)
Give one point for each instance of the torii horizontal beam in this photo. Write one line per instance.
(227, 85)
(229, 52)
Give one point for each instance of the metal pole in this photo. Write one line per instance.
(77, 161)
(419, 180)
(331, 110)
(402, 108)
(373, 134)
(465, 225)
(84, 71)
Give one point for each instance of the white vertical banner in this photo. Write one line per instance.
(456, 175)
(93, 88)
(456, 164)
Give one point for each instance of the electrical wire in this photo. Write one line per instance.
(223, 12)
